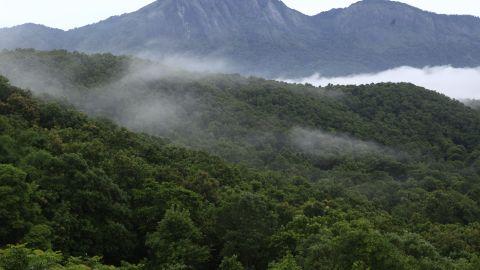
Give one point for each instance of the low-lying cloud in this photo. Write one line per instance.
(136, 99)
(328, 145)
(458, 83)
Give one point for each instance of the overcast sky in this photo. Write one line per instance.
(67, 14)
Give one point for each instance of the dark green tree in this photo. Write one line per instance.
(176, 242)
(230, 263)
(17, 206)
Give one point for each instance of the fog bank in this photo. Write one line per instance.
(458, 83)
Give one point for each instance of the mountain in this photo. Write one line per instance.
(379, 176)
(31, 36)
(265, 37)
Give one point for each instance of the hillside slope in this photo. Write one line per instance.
(335, 178)
(247, 120)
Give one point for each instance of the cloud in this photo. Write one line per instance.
(458, 83)
(320, 143)
(472, 103)
(191, 63)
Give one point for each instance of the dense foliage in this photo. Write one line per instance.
(407, 199)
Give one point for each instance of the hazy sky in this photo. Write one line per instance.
(66, 14)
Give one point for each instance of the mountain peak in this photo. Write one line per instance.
(380, 2)
(33, 26)
(213, 18)
(233, 7)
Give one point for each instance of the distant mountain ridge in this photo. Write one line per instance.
(265, 37)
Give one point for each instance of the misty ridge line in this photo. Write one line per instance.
(140, 99)
(127, 100)
(472, 103)
(134, 101)
(457, 83)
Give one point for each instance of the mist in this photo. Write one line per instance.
(327, 145)
(164, 99)
(458, 83)
(191, 63)
(139, 98)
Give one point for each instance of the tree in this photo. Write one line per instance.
(246, 222)
(17, 209)
(286, 263)
(39, 236)
(176, 241)
(231, 263)
(20, 258)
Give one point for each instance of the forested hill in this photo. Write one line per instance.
(261, 123)
(378, 176)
